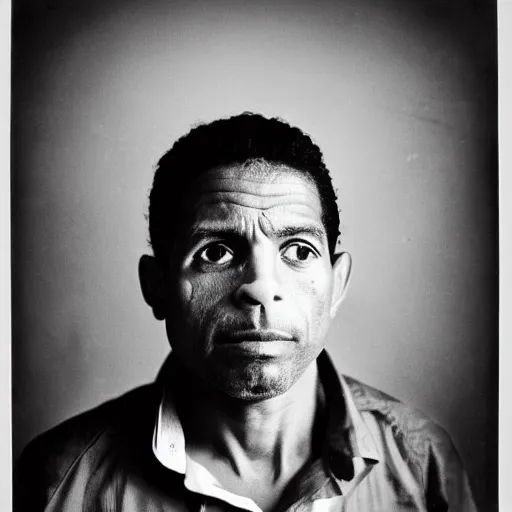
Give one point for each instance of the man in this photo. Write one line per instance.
(248, 412)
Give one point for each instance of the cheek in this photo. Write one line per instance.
(314, 297)
(189, 312)
(198, 295)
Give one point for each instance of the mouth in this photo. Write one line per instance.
(258, 335)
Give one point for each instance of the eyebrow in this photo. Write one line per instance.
(312, 230)
(233, 232)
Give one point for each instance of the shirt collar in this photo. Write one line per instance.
(348, 447)
(168, 435)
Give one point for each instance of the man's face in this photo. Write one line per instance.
(251, 281)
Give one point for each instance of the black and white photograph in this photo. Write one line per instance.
(254, 256)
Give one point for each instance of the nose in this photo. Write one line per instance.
(260, 286)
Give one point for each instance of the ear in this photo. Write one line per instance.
(341, 273)
(153, 285)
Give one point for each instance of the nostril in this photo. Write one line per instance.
(251, 300)
(254, 301)
(256, 294)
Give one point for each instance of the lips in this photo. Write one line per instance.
(265, 335)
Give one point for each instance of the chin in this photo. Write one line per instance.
(254, 382)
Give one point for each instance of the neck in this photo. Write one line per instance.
(274, 434)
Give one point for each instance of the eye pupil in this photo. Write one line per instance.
(303, 253)
(215, 252)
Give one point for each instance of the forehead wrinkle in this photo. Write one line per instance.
(229, 210)
(261, 201)
(265, 224)
(247, 225)
(263, 193)
(221, 219)
(264, 189)
(274, 179)
(257, 171)
(225, 202)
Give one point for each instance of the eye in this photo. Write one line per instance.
(216, 254)
(299, 253)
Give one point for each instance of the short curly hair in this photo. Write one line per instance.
(234, 140)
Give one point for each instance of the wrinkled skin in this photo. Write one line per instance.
(251, 290)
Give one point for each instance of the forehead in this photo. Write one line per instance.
(276, 193)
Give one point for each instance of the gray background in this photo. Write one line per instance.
(400, 97)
